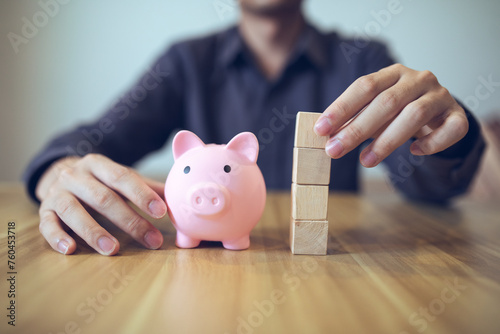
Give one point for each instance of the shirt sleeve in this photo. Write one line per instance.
(435, 178)
(137, 124)
(439, 177)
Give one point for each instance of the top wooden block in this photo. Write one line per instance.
(304, 131)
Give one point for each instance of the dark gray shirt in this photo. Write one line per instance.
(213, 87)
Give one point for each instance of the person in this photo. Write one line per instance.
(255, 77)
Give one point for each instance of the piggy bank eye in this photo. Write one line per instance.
(227, 168)
(187, 169)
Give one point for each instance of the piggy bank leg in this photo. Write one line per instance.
(183, 241)
(237, 244)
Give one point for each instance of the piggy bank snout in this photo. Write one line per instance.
(208, 198)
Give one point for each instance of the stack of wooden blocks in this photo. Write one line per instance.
(310, 180)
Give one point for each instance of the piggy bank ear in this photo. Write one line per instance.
(185, 141)
(245, 144)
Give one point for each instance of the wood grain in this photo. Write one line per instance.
(304, 131)
(310, 166)
(387, 261)
(309, 202)
(309, 237)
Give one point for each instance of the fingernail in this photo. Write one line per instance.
(334, 148)
(323, 126)
(153, 239)
(369, 159)
(157, 208)
(106, 245)
(416, 149)
(63, 246)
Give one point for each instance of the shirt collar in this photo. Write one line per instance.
(312, 44)
(232, 46)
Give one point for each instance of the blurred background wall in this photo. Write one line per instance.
(85, 54)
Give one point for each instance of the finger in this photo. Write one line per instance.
(113, 207)
(425, 130)
(127, 183)
(72, 213)
(454, 128)
(409, 122)
(158, 187)
(376, 115)
(53, 231)
(353, 99)
(382, 128)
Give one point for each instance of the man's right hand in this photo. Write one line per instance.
(71, 184)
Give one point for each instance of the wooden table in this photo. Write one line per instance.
(392, 267)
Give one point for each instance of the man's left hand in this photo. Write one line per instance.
(391, 106)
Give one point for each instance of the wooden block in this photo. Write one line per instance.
(309, 202)
(311, 166)
(309, 237)
(304, 131)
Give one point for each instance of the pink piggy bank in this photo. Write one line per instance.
(215, 192)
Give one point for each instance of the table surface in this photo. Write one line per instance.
(392, 267)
